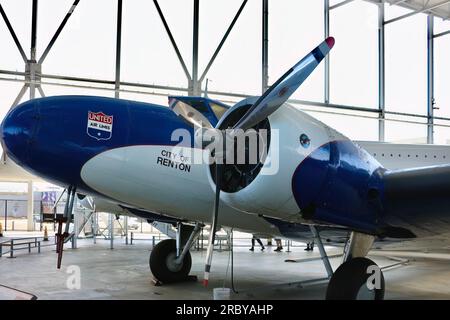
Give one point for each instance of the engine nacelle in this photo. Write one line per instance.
(267, 188)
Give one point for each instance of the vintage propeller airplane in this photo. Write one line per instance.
(309, 179)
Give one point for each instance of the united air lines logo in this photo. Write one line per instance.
(99, 125)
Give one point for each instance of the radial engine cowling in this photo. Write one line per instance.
(266, 187)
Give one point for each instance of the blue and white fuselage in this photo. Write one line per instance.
(132, 162)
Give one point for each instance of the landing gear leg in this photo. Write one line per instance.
(170, 261)
(358, 278)
(322, 251)
(61, 238)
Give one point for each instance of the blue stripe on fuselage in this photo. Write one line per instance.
(332, 185)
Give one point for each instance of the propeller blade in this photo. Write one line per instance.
(212, 233)
(268, 103)
(284, 87)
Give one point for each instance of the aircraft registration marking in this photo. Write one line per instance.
(173, 160)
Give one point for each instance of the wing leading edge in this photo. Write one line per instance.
(416, 195)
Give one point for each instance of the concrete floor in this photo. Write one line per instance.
(123, 273)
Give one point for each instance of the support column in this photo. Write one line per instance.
(430, 79)
(76, 221)
(178, 239)
(326, 16)
(111, 231)
(5, 228)
(323, 253)
(30, 207)
(265, 46)
(196, 90)
(34, 29)
(125, 222)
(118, 48)
(381, 73)
(32, 62)
(95, 226)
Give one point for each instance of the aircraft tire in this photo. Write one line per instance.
(162, 263)
(349, 281)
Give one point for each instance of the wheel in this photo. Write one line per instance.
(349, 282)
(163, 266)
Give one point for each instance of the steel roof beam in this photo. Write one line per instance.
(397, 3)
(118, 47)
(426, 9)
(437, 35)
(172, 40)
(224, 38)
(13, 73)
(13, 34)
(326, 26)
(265, 46)
(430, 79)
(194, 83)
(381, 73)
(20, 95)
(217, 93)
(34, 29)
(340, 4)
(58, 32)
(41, 92)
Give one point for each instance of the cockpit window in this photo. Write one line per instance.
(199, 106)
(218, 110)
(192, 113)
(198, 111)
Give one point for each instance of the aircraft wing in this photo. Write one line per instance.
(395, 156)
(419, 198)
(416, 185)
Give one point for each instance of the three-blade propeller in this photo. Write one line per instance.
(267, 104)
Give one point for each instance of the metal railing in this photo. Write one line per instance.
(221, 241)
(153, 238)
(17, 244)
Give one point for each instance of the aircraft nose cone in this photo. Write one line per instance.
(17, 130)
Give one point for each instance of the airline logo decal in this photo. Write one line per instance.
(99, 125)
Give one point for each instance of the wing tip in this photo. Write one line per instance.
(330, 42)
